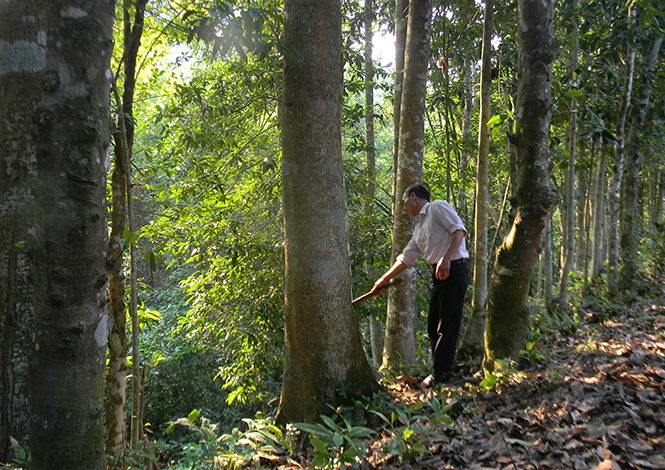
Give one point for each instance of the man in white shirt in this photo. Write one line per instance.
(439, 238)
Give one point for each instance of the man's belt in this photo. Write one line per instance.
(459, 261)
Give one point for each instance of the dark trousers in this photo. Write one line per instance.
(445, 317)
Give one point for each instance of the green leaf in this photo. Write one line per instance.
(130, 237)
(193, 415)
(169, 430)
(318, 445)
(575, 93)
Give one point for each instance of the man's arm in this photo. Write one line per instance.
(383, 281)
(443, 266)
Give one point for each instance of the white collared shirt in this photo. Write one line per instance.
(437, 221)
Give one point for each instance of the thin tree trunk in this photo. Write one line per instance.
(630, 220)
(569, 214)
(508, 310)
(400, 343)
(116, 378)
(549, 276)
(375, 327)
(617, 175)
(70, 272)
(473, 341)
(323, 349)
(597, 259)
(401, 28)
(467, 144)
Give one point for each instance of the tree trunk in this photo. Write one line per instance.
(400, 343)
(70, 271)
(569, 213)
(21, 67)
(508, 310)
(617, 176)
(630, 220)
(375, 327)
(116, 377)
(599, 218)
(473, 341)
(549, 277)
(401, 28)
(323, 348)
(467, 143)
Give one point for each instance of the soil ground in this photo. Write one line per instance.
(590, 397)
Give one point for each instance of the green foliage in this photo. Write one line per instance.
(504, 372)
(261, 439)
(335, 446)
(531, 353)
(410, 431)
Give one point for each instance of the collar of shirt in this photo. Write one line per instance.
(423, 210)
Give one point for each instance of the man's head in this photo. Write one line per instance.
(419, 190)
(415, 198)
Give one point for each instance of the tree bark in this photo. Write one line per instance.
(508, 310)
(597, 259)
(569, 213)
(375, 327)
(70, 262)
(401, 27)
(473, 342)
(400, 342)
(323, 348)
(630, 220)
(21, 66)
(617, 174)
(116, 377)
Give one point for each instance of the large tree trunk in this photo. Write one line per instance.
(472, 343)
(323, 349)
(508, 310)
(630, 220)
(400, 343)
(70, 262)
(21, 66)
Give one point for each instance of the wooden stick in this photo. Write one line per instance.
(391, 283)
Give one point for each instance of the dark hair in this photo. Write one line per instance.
(419, 190)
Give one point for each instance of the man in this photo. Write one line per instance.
(439, 238)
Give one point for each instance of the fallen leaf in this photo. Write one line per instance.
(607, 465)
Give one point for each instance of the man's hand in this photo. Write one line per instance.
(380, 286)
(443, 269)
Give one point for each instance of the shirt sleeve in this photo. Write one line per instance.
(411, 252)
(445, 215)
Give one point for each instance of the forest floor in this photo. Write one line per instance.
(592, 397)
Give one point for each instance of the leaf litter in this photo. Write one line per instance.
(596, 401)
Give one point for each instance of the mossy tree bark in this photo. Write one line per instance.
(508, 310)
(400, 343)
(323, 348)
